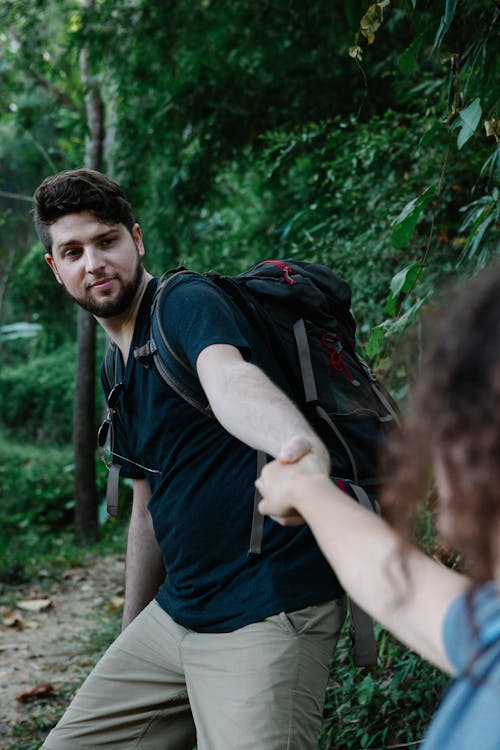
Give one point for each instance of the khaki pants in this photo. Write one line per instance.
(163, 687)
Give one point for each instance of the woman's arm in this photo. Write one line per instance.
(364, 552)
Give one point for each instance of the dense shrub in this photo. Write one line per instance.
(389, 706)
(37, 504)
(36, 397)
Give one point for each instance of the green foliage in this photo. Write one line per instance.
(36, 397)
(35, 487)
(404, 224)
(35, 295)
(468, 119)
(481, 218)
(390, 706)
(36, 509)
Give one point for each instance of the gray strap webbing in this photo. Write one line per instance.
(306, 368)
(144, 351)
(112, 489)
(256, 534)
(385, 401)
(364, 645)
(363, 498)
(329, 421)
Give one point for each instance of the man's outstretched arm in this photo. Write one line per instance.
(253, 409)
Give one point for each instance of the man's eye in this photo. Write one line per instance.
(107, 241)
(72, 252)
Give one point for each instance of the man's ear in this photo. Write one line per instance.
(50, 261)
(137, 237)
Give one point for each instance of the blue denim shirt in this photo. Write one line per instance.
(469, 717)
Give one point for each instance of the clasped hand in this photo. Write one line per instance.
(281, 481)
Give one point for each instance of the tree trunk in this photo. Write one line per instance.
(84, 430)
(84, 414)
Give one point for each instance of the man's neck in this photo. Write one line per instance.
(120, 329)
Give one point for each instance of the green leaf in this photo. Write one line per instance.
(446, 20)
(429, 134)
(366, 690)
(405, 223)
(404, 279)
(407, 60)
(390, 305)
(373, 344)
(468, 120)
(402, 323)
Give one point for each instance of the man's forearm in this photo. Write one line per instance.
(252, 408)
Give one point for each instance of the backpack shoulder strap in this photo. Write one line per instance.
(177, 373)
(111, 366)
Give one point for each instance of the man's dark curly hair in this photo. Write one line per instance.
(75, 191)
(455, 418)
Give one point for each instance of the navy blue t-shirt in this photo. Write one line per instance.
(202, 499)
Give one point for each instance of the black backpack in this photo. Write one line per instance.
(303, 311)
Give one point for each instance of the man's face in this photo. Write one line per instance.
(99, 264)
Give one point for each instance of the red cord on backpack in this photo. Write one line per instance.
(334, 346)
(287, 270)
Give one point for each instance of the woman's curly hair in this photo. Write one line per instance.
(454, 420)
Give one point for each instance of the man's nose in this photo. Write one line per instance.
(94, 260)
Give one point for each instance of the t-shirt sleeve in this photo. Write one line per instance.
(456, 634)
(470, 623)
(196, 314)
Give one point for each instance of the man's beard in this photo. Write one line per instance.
(118, 305)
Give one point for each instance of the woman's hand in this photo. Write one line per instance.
(283, 483)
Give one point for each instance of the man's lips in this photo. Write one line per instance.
(103, 283)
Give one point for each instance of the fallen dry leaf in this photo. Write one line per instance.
(116, 602)
(39, 691)
(35, 605)
(13, 620)
(78, 574)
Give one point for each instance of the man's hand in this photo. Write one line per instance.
(299, 447)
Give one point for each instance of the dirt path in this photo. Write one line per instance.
(40, 632)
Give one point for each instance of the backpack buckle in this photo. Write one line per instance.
(145, 352)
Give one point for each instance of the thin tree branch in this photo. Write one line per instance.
(16, 196)
(61, 95)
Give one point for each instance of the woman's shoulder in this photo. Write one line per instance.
(469, 717)
(472, 625)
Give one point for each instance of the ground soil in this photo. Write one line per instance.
(41, 654)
